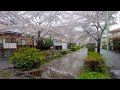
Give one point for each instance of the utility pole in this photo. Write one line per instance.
(107, 39)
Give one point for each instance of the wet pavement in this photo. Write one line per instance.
(67, 67)
(5, 63)
(114, 63)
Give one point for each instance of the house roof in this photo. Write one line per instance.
(10, 30)
(115, 37)
(115, 30)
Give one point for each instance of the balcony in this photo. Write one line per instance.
(9, 45)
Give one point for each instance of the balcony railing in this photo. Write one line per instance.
(9, 45)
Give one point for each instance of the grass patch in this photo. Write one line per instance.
(75, 48)
(5, 74)
(89, 74)
(94, 56)
(92, 75)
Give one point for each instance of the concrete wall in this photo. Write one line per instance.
(64, 45)
(57, 44)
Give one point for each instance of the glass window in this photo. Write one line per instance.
(10, 40)
(19, 42)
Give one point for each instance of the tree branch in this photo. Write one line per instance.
(103, 30)
(89, 33)
(45, 33)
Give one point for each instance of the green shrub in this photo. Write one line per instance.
(48, 43)
(47, 54)
(116, 47)
(94, 61)
(91, 47)
(27, 58)
(92, 75)
(44, 44)
(82, 46)
(75, 48)
(62, 52)
(71, 45)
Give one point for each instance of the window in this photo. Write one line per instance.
(21, 42)
(10, 40)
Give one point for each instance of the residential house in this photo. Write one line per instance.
(114, 34)
(11, 41)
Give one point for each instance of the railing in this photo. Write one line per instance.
(9, 45)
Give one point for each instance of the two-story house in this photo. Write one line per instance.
(11, 41)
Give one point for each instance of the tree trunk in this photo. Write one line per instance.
(98, 45)
(50, 42)
(33, 42)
